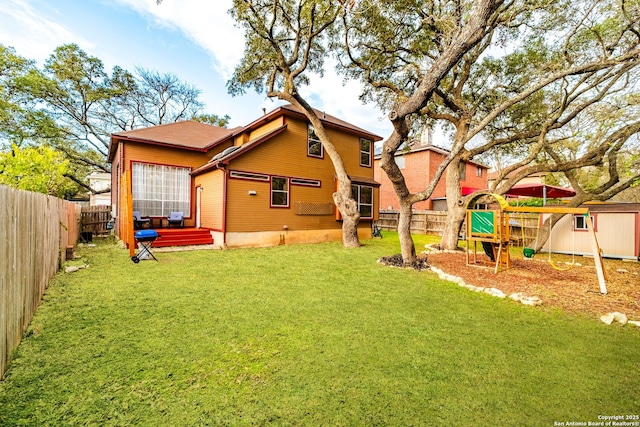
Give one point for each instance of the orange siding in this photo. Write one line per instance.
(212, 208)
(268, 127)
(246, 212)
(286, 155)
(147, 153)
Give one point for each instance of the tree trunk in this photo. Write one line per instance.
(545, 232)
(343, 198)
(407, 247)
(452, 227)
(350, 215)
(456, 213)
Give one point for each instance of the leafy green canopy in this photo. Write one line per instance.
(285, 40)
(72, 105)
(40, 169)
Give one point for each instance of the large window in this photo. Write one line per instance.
(314, 146)
(279, 192)
(365, 152)
(363, 194)
(159, 190)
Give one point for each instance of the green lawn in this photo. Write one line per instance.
(305, 335)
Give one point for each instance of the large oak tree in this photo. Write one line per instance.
(532, 69)
(286, 40)
(73, 105)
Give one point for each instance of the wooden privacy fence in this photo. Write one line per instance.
(524, 227)
(35, 231)
(95, 219)
(422, 222)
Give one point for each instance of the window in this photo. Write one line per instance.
(314, 146)
(462, 168)
(478, 171)
(580, 222)
(279, 192)
(400, 161)
(158, 189)
(363, 195)
(250, 176)
(365, 152)
(305, 182)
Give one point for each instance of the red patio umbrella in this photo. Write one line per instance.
(542, 191)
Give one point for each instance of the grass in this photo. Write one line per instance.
(304, 335)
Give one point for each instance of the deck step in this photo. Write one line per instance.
(183, 237)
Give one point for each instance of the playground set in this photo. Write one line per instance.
(491, 228)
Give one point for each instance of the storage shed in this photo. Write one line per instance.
(617, 228)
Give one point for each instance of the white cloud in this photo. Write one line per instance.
(341, 99)
(206, 23)
(209, 25)
(32, 34)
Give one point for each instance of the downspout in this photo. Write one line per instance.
(123, 170)
(637, 236)
(221, 166)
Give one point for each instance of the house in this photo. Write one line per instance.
(100, 182)
(418, 165)
(616, 225)
(534, 178)
(263, 184)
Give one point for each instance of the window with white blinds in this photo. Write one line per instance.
(159, 190)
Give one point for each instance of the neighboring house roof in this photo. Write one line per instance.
(189, 135)
(613, 207)
(494, 175)
(416, 147)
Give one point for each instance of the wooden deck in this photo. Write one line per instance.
(186, 236)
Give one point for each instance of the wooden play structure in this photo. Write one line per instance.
(491, 228)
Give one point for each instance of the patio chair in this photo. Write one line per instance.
(140, 222)
(175, 218)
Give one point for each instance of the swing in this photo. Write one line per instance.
(527, 252)
(573, 250)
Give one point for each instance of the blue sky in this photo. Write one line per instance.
(194, 39)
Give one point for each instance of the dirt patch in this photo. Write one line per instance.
(574, 290)
(419, 264)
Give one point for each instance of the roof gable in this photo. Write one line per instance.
(190, 135)
(328, 120)
(224, 157)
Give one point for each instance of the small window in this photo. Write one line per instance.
(314, 145)
(363, 195)
(365, 152)
(250, 176)
(478, 171)
(279, 192)
(462, 168)
(305, 182)
(400, 161)
(580, 222)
